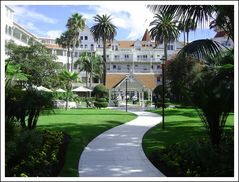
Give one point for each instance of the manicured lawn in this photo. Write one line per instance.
(180, 124)
(82, 125)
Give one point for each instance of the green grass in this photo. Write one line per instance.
(180, 124)
(82, 125)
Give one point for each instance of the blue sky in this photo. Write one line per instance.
(50, 20)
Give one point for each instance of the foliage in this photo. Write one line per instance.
(75, 24)
(36, 153)
(164, 29)
(67, 78)
(220, 16)
(196, 158)
(103, 30)
(33, 61)
(183, 125)
(22, 106)
(66, 41)
(100, 91)
(14, 75)
(180, 73)
(100, 102)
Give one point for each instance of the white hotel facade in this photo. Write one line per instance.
(139, 58)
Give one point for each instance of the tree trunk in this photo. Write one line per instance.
(87, 79)
(187, 37)
(72, 57)
(68, 59)
(104, 61)
(67, 99)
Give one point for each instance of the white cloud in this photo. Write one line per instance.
(133, 17)
(54, 33)
(22, 12)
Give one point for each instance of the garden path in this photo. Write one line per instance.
(118, 152)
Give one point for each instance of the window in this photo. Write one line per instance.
(170, 47)
(116, 48)
(6, 29)
(126, 56)
(81, 46)
(81, 37)
(76, 54)
(113, 47)
(136, 65)
(158, 67)
(59, 52)
(10, 30)
(86, 46)
(158, 79)
(152, 67)
(114, 66)
(86, 38)
(92, 47)
(98, 45)
(128, 67)
(119, 67)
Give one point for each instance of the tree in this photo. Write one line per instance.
(185, 27)
(85, 65)
(33, 61)
(103, 31)
(221, 17)
(75, 24)
(164, 30)
(97, 66)
(68, 77)
(65, 41)
(213, 95)
(181, 73)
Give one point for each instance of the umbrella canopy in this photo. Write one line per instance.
(81, 89)
(60, 90)
(41, 88)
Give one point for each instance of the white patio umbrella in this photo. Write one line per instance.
(81, 89)
(41, 88)
(60, 90)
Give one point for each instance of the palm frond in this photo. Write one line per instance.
(199, 49)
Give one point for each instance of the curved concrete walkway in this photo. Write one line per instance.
(118, 152)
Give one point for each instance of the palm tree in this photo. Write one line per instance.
(199, 14)
(164, 30)
(75, 24)
(65, 41)
(185, 27)
(97, 66)
(85, 64)
(103, 31)
(68, 77)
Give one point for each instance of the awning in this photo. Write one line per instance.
(81, 89)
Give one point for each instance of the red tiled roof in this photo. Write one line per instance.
(148, 80)
(146, 36)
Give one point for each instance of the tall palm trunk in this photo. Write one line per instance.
(87, 79)
(187, 36)
(72, 57)
(163, 75)
(68, 58)
(104, 60)
(67, 99)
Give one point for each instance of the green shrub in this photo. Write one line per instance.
(36, 153)
(100, 91)
(196, 158)
(100, 104)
